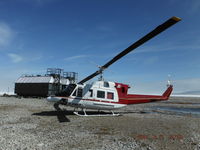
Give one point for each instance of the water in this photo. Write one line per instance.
(177, 110)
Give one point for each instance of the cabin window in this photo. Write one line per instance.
(100, 94)
(80, 92)
(91, 93)
(110, 95)
(106, 84)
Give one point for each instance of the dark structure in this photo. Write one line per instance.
(51, 83)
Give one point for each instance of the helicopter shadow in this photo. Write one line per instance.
(60, 113)
(63, 113)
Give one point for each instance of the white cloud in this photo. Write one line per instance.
(187, 85)
(158, 87)
(75, 57)
(32, 57)
(15, 57)
(6, 34)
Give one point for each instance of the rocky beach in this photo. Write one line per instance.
(33, 123)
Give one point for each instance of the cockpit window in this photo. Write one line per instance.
(91, 93)
(74, 94)
(80, 92)
(67, 91)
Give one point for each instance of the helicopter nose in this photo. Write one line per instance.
(53, 99)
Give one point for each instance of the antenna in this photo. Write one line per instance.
(169, 80)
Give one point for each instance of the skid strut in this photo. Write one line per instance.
(85, 114)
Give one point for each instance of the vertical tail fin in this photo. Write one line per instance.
(167, 93)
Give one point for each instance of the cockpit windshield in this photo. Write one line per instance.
(67, 91)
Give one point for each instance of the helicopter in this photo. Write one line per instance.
(108, 95)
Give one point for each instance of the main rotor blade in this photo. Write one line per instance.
(141, 41)
(89, 77)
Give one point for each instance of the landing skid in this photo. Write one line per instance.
(98, 115)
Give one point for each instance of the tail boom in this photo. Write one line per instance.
(137, 99)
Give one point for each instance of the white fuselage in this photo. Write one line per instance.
(100, 95)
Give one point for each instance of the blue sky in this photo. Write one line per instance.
(79, 35)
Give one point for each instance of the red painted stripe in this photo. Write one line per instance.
(123, 100)
(95, 100)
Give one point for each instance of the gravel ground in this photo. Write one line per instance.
(30, 123)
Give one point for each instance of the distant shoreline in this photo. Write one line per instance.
(184, 95)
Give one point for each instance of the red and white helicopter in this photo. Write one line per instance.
(106, 95)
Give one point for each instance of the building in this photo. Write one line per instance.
(51, 83)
